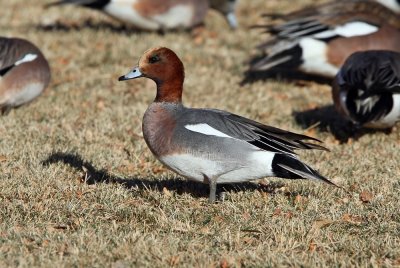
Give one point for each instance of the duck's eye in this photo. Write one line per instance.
(154, 59)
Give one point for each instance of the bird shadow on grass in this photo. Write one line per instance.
(64, 26)
(94, 175)
(327, 119)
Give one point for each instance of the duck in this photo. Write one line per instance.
(24, 73)
(209, 145)
(366, 90)
(317, 40)
(159, 15)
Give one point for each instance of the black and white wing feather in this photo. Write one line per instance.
(262, 136)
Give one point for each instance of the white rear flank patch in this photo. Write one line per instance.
(394, 115)
(351, 29)
(391, 118)
(180, 15)
(206, 130)
(315, 59)
(27, 58)
(255, 165)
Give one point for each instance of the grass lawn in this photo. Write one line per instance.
(79, 187)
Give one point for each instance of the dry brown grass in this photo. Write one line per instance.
(86, 128)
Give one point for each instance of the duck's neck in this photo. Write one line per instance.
(169, 91)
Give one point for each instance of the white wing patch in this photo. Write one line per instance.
(206, 130)
(356, 28)
(27, 58)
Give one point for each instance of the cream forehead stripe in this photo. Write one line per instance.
(207, 130)
(27, 58)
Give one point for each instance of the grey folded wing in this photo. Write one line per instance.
(262, 136)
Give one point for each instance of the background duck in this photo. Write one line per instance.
(317, 40)
(24, 73)
(366, 90)
(153, 15)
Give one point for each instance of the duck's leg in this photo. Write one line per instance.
(213, 189)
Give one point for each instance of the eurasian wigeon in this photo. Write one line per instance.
(367, 89)
(153, 15)
(318, 40)
(213, 146)
(24, 73)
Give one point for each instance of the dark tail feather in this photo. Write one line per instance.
(286, 166)
(312, 146)
(273, 16)
(70, 2)
(6, 69)
(280, 57)
(261, 26)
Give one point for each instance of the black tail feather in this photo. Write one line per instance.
(65, 2)
(273, 16)
(97, 4)
(289, 167)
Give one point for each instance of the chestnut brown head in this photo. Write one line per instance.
(163, 66)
